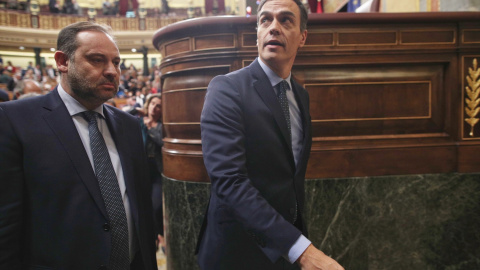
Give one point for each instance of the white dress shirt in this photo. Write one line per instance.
(75, 108)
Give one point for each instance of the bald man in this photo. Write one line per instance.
(27, 88)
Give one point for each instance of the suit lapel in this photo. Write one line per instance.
(59, 120)
(117, 130)
(262, 85)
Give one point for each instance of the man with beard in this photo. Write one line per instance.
(75, 192)
(256, 138)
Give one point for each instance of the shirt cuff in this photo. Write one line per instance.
(298, 248)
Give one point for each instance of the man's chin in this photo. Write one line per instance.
(106, 95)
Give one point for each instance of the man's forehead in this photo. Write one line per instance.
(89, 39)
(280, 6)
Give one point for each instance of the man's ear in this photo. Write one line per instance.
(62, 61)
(303, 38)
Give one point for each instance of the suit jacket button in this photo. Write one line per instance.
(106, 227)
(102, 267)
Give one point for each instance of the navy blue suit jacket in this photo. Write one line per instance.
(52, 212)
(255, 183)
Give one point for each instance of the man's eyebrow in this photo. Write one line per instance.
(263, 13)
(95, 54)
(284, 13)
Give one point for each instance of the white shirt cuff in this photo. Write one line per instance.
(298, 248)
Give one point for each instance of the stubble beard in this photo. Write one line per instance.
(85, 90)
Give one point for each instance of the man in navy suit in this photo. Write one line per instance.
(256, 142)
(55, 212)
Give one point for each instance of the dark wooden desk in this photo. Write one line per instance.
(387, 91)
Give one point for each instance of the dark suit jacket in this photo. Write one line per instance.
(255, 183)
(52, 212)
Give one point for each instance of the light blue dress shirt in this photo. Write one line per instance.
(297, 142)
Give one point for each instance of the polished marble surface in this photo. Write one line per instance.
(390, 222)
(397, 222)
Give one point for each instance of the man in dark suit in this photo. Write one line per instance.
(256, 142)
(75, 192)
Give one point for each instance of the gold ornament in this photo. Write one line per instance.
(473, 92)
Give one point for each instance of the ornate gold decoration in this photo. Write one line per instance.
(473, 93)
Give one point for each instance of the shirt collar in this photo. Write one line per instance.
(272, 76)
(73, 106)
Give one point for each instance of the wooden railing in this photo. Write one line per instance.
(13, 18)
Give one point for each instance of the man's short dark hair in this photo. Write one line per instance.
(303, 13)
(67, 38)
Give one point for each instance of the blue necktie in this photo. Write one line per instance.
(107, 180)
(282, 98)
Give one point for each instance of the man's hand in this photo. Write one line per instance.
(312, 258)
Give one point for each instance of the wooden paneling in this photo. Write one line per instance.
(370, 161)
(373, 38)
(471, 36)
(226, 41)
(388, 92)
(182, 95)
(432, 36)
(249, 40)
(176, 47)
(319, 39)
(370, 101)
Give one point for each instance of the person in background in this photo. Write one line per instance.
(51, 72)
(30, 66)
(75, 186)
(256, 140)
(132, 107)
(106, 7)
(37, 71)
(165, 7)
(76, 9)
(27, 88)
(16, 80)
(5, 77)
(122, 65)
(10, 67)
(152, 131)
(54, 6)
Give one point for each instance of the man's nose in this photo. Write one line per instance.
(274, 27)
(110, 70)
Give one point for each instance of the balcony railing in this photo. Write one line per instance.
(13, 18)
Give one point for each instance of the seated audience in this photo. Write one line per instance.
(28, 88)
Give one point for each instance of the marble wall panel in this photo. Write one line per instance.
(375, 223)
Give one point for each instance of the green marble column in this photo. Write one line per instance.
(375, 223)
